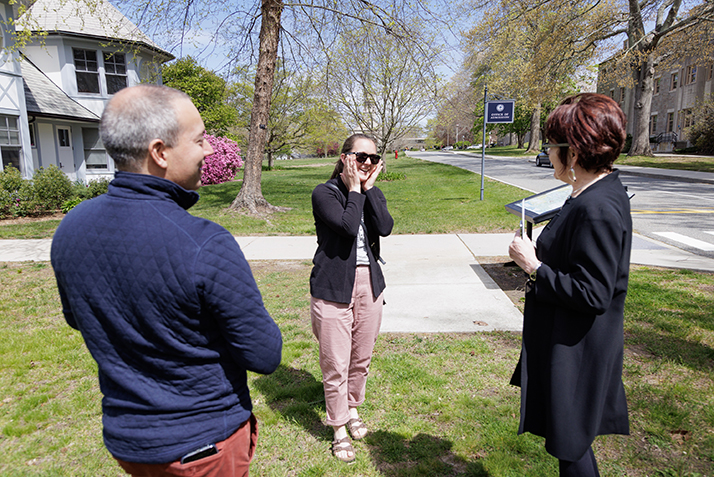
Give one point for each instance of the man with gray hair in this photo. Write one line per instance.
(165, 301)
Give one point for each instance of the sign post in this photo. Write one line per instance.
(493, 112)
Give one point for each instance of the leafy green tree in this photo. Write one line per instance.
(309, 30)
(325, 128)
(644, 50)
(298, 120)
(208, 91)
(520, 126)
(532, 50)
(701, 133)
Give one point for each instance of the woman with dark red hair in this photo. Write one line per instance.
(570, 370)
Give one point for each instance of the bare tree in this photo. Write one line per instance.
(303, 29)
(531, 50)
(642, 54)
(381, 84)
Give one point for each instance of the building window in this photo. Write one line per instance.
(657, 82)
(10, 141)
(709, 74)
(115, 71)
(670, 122)
(612, 93)
(63, 138)
(95, 157)
(674, 81)
(687, 118)
(691, 76)
(653, 125)
(622, 94)
(87, 70)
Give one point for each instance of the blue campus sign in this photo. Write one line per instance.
(499, 111)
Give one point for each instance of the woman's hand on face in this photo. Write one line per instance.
(372, 178)
(350, 174)
(523, 252)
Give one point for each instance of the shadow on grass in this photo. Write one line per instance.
(296, 395)
(697, 356)
(423, 455)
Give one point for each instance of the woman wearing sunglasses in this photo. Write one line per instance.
(346, 284)
(570, 371)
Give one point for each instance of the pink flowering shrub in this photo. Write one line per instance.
(224, 163)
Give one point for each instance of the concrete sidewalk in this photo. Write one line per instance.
(434, 282)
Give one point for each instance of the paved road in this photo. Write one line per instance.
(674, 210)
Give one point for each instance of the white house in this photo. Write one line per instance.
(54, 90)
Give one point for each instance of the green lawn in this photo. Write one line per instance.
(437, 404)
(432, 198)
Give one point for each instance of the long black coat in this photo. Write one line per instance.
(570, 370)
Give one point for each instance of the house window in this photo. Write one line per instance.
(657, 82)
(63, 138)
(622, 94)
(95, 157)
(10, 141)
(612, 93)
(87, 70)
(674, 80)
(691, 76)
(115, 71)
(670, 122)
(653, 125)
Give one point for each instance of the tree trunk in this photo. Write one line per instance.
(271, 160)
(533, 145)
(251, 196)
(643, 73)
(521, 140)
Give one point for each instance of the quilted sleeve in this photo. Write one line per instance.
(66, 310)
(229, 295)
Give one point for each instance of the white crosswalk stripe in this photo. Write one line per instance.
(692, 242)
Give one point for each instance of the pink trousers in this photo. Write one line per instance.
(346, 334)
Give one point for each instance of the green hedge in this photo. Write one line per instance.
(49, 190)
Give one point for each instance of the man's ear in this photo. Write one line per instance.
(157, 154)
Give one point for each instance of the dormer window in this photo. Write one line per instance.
(87, 70)
(115, 71)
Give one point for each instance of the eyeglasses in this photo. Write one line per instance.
(362, 157)
(560, 144)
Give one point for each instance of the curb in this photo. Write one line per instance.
(655, 175)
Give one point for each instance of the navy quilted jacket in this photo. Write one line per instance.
(169, 309)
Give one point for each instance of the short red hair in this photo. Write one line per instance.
(592, 124)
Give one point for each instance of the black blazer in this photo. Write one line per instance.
(338, 214)
(570, 371)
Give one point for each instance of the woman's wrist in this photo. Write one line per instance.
(534, 268)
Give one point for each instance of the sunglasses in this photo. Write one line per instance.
(362, 157)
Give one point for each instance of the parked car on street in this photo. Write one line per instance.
(542, 159)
